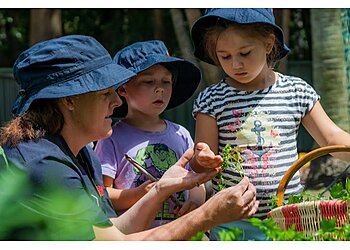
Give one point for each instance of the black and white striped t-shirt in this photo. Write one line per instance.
(264, 124)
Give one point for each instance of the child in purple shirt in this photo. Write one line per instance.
(162, 82)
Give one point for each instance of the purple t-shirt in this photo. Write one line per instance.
(156, 151)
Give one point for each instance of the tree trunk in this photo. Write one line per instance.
(158, 24)
(283, 20)
(211, 74)
(346, 42)
(329, 77)
(183, 38)
(329, 73)
(44, 24)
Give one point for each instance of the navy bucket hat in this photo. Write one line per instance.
(65, 66)
(140, 56)
(239, 15)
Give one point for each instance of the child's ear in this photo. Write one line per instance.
(270, 43)
(121, 90)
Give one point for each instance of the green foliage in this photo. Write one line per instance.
(231, 159)
(232, 234)
(304, 196)
(273, 232)
(114, 28)
(14, 34)
(3, 160)
(197, 237)
(274, 201)
(329, 231)
(54, 214)
(339, 192)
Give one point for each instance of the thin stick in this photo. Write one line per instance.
(149, 176)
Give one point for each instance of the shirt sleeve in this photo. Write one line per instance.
(106, 151)
(308, 96)
(204, 103)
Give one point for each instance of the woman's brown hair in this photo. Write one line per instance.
(42, 118)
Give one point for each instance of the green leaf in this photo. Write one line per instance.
(197, 237)
(347, 185)
(328, 225)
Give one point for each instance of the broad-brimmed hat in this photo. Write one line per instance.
(65, 66)
(140, 56)
(238, 15)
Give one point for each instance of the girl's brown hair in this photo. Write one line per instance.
(212, 33)
(42, 118)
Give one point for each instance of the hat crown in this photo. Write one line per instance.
(235, 15)
(244, 15)
(58, 60)
(136, 54)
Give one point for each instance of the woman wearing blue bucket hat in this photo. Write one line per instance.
(254, 108)
(161, 82)
(66, 100)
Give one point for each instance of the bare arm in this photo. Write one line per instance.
(231, 204)
(175, 179)
(324, 131)
(124, 198)
(207, 144)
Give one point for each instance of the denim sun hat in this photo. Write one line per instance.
(65, 66)
(239, 15)
(140, 56)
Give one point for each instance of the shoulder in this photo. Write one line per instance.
(34, 151)
(177, 128)
(44, 160)
(214, 88)
(295, 80)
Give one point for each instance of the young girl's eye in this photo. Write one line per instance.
(225, 57)
(245, 53)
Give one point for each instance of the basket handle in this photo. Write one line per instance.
(301, 162)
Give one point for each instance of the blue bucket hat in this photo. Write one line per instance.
(140, 56)
(242, 16)
(65, 66)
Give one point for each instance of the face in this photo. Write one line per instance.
(242, 55)
(92, 112)
(148, 92)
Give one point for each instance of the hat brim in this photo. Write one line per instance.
(198, 30)
(95, 80)
(188, 79)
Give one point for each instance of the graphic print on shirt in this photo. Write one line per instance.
(157, 158)
(258, 139)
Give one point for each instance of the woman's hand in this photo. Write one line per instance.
(177, 178)
(233, 203)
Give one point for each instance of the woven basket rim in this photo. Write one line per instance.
(311, 203)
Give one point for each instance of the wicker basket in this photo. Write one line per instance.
(307, 215)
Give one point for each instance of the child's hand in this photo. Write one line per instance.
(145, 187)
(187, 207)
(205, 157)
